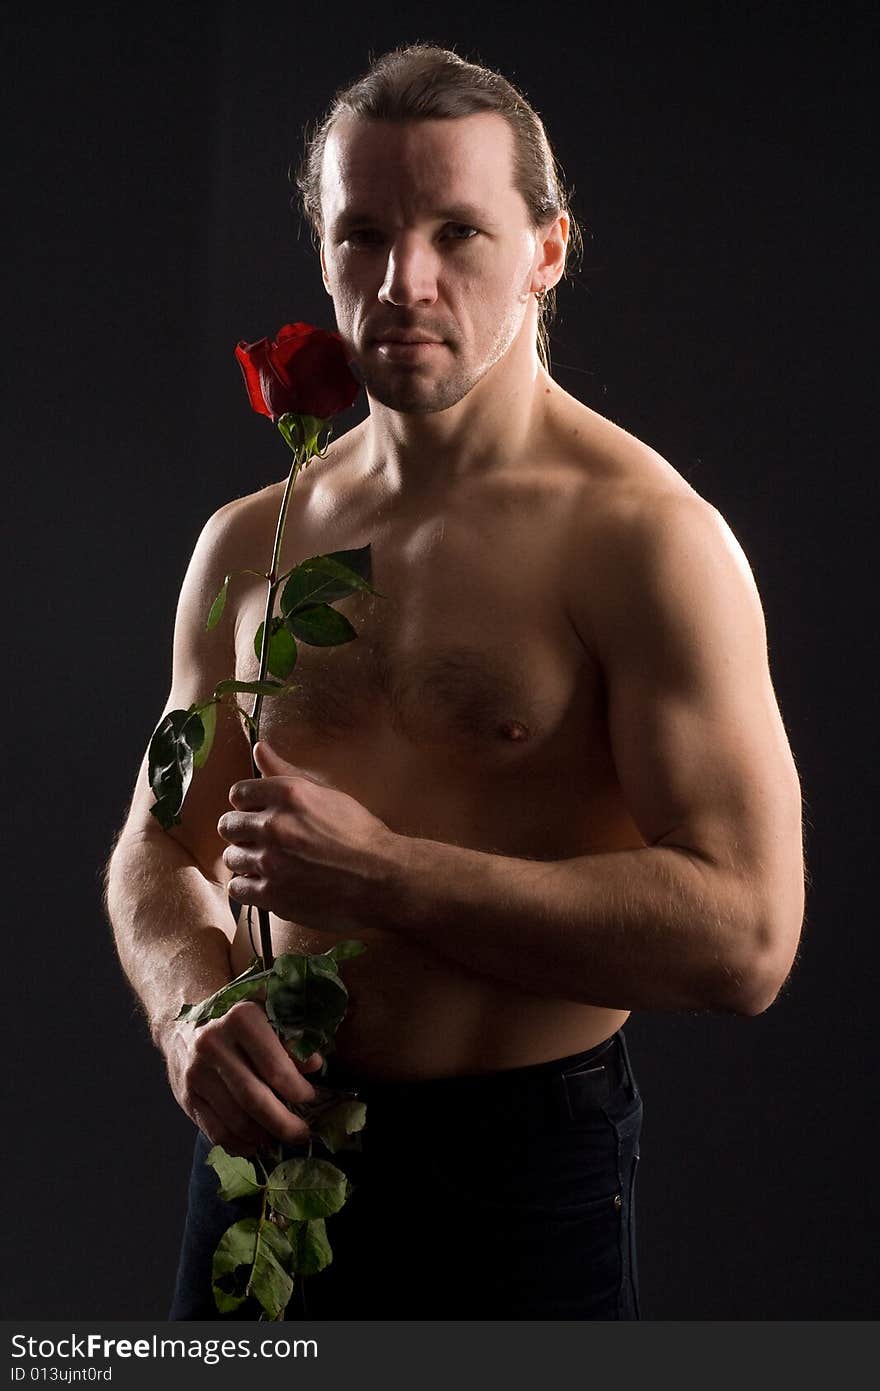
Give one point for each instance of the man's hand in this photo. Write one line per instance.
(226, 1073)
(303, 850)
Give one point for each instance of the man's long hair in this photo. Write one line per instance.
(426, 82)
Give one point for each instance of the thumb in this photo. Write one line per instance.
(268, 761)
(271, 764)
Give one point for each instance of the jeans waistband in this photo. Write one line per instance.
(559, 1088)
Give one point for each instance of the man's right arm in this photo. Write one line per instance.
(166, 899)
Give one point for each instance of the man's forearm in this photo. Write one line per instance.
(647, 929)
(171, 925)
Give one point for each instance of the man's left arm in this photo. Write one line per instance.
(707, 914)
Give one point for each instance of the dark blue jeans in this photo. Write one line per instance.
(506, 1195)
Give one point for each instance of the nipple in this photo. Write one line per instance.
(514, 729)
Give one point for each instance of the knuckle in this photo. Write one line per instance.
(205, 1045)
(246, 1012)
(247, 1018)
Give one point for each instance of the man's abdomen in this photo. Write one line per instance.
(413, 1013)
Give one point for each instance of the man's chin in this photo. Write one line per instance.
(414, 396)
(407, 402)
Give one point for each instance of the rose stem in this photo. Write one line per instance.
(254, 728)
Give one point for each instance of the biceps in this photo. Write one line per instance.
(703, 763)
(696, 732)
(201, 659)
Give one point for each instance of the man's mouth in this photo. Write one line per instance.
(407, 338)
(405, 348)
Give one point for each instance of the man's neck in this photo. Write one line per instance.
(498, 424)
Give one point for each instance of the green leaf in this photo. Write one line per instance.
(219, 604)
(311, 1249)
(320, 626)
(166, 809)
(282, 648)
(286, 994)
(270, 1282)
(170, 762)
(248, 1261)
(307, 1188)
(256, 687)
(311, 1041)
(193, 731)
(341, 951)
(244, 987)
(359, 561)
(338, 1124)
(325, 579)
(305, 997)
(208, 713)
(232, 1264)
(324, 964)
(238, 1177)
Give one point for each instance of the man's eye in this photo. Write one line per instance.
(461, 231)
(364, 236)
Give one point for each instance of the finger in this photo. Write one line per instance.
(312, 1063)
(253, 1103)
(245, 889)
(267, 1107)
(270, 1060)
(248, 1032)
(241, 860)
(252, 793)
(224, 1121)
(208, 1121)
(240, 828)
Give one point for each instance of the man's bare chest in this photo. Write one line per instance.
(466, 654)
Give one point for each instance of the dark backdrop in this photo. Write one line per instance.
(720, 174)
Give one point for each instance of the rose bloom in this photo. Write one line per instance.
(304, 371)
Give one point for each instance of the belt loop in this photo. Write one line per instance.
(563, 1097)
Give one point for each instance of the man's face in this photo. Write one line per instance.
(425, 235)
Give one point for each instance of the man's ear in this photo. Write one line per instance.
(551, 248)
(324, 276)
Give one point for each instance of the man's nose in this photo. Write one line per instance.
(411, 274)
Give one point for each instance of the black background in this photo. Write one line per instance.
(720, 169)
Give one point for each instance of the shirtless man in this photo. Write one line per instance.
(548, 784)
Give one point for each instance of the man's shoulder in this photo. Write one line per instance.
(235, 525)
(625, 487)
(638, 524)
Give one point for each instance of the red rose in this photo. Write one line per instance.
(304, 371)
